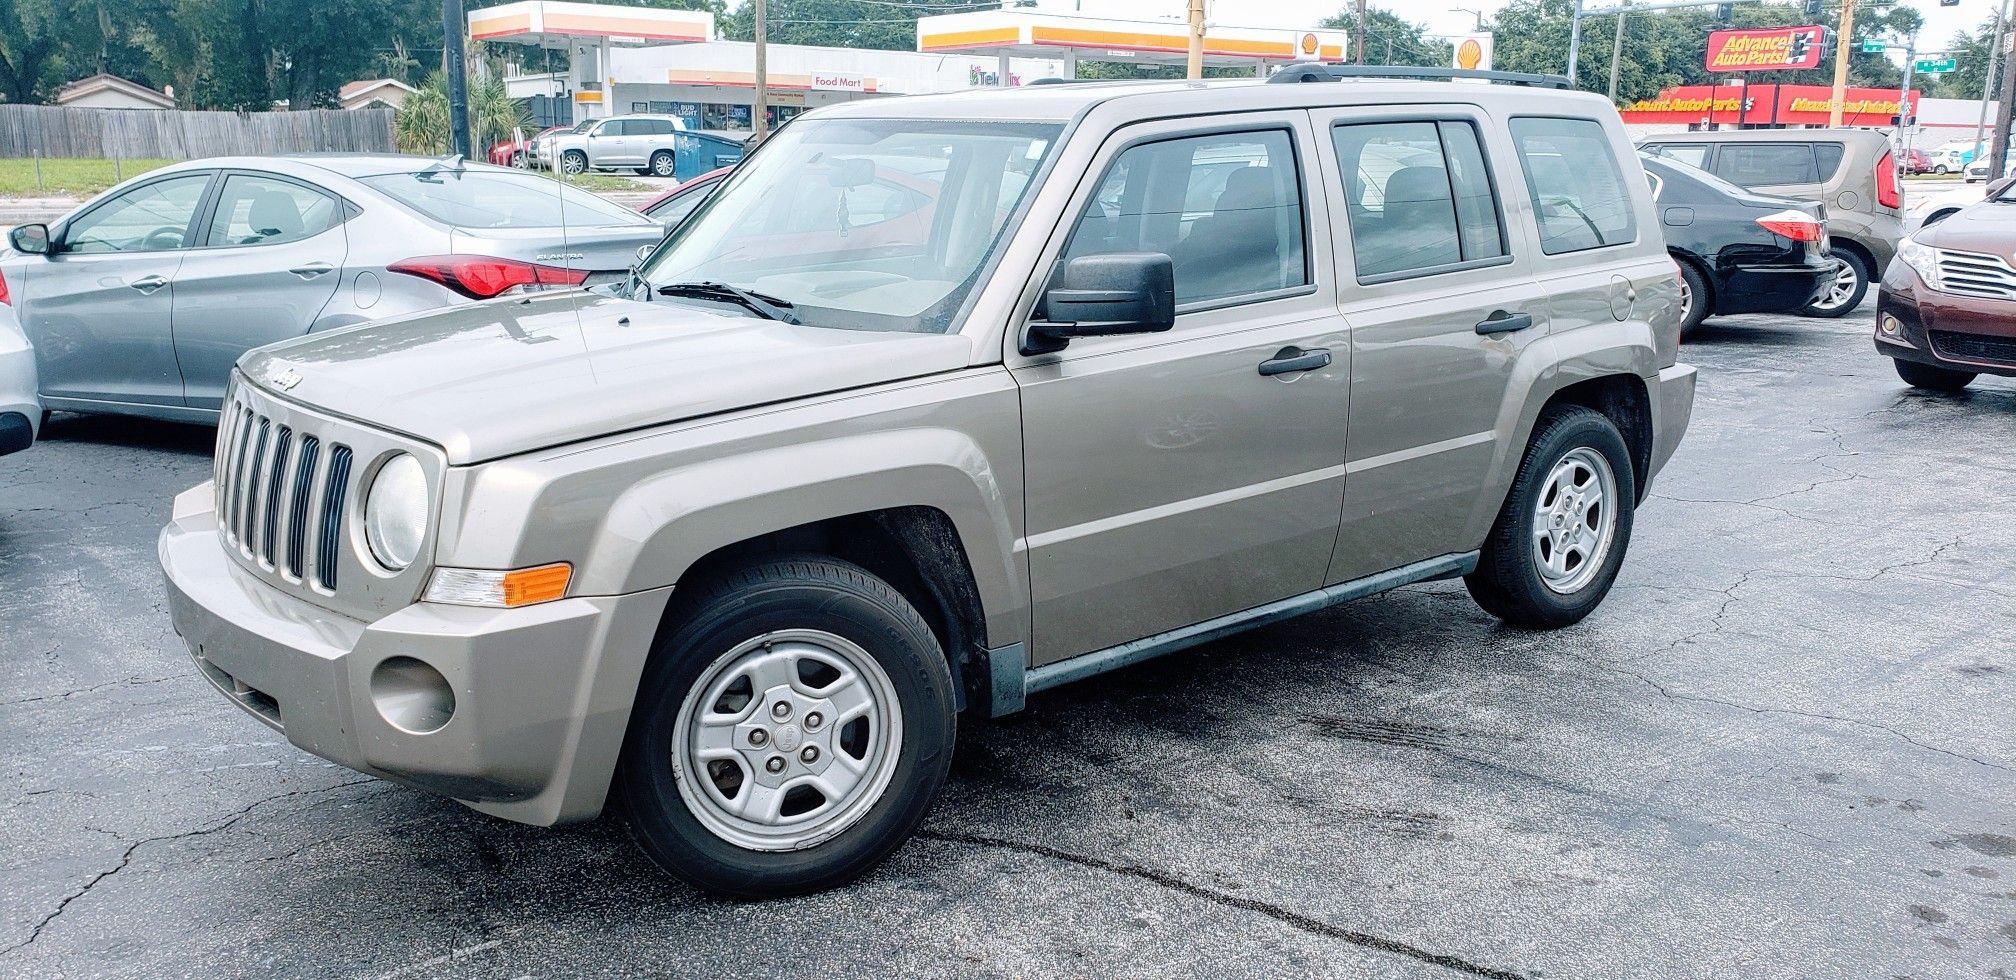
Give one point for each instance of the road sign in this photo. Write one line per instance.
(1874, 46)
(1934, 66)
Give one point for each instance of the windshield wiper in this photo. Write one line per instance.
(770, 307)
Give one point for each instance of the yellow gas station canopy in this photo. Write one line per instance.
(553, 24)
(1030, 34)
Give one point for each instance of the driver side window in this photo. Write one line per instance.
(151, 218)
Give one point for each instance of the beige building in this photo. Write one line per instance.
(112, 92)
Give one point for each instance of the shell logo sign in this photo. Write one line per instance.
(1309, 44)
(1473, 51)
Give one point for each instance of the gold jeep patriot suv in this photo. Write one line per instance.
(936, 403)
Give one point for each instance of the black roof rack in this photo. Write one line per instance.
(1318, 72)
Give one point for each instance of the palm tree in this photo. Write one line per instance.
(422, 123)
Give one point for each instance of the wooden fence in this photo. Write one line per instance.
(173, 134)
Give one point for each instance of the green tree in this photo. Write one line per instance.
(1393, 40)
(421, 125)
(1969, 51)
(890, 25)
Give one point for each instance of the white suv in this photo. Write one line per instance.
(640, 143)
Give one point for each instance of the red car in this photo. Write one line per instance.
(674, 205)
(1947, 310)
(1916, 162)
(508, 154)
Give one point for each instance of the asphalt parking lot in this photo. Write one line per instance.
(1783, 747)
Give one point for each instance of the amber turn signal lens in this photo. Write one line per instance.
(543, 584)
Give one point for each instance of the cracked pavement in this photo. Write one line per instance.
(1782, 748)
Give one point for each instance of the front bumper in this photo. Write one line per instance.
(1974, 334)
(541, 694)
(1673, 399)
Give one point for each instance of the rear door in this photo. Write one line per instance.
(1443, 304)
(270, 258)
(99, 310)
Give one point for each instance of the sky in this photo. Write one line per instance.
(1940, 22)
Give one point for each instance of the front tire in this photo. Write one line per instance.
(662, 164)
(789, 733)
(1932, 377)
(1845, 292)
(1561, 536)
(574, 162)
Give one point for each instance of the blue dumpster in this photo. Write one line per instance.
(697, 151)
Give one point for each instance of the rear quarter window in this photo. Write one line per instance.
(1828, 158)
(1580, 197)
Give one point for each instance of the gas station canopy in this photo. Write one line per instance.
(1030, 34)
(553, 24)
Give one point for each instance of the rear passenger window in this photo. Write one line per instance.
(1578, 189)
(1828, 156)
(255, 210)
(1761, 164)
(1418, 196)
(1225, 208)
(1692, 154)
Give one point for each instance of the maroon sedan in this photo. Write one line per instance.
(1947, 309)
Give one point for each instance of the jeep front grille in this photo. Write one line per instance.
(271, 480)
(1975, 274)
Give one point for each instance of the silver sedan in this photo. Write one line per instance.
(140, 301)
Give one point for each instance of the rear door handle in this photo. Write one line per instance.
(312, 269)
(148, 284)
(1502, 322)
(1292, 359)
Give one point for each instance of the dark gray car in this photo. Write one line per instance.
(147, 295)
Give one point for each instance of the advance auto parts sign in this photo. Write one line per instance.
(1769, 49)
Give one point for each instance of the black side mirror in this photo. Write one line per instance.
(1995, 186)
(30, 239)
(1105, 295)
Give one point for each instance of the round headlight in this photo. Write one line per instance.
(395, 512)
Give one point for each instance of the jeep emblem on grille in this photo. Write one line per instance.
(284, 379)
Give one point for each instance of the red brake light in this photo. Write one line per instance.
(1794, 225)
(484, 276)
(4, 300)
(1888, 194)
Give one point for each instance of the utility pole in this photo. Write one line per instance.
(1196, 60)
(452, 27)
(1988, 80)
(759, 114)
(1843, 47)
(1359, 43)
(1617, 52)
(1574, 41)
(1904, 103)
(1999, 150)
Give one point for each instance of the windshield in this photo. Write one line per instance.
(877, 224)
(584, 125)
(496, 198)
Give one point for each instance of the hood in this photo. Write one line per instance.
(1988, 227)
(494, 379)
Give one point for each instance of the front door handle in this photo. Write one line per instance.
(1292, 359)
(148, 284)
(312, 269)
(1502, 322)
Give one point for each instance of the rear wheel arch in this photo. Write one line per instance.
(1624, 400)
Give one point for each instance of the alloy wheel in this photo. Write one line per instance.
(1575, 520)
(787, 740)
(1841, 290)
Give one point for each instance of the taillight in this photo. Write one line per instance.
(484, 276)
(4, 300)
(1888, 193)
(1794, 225)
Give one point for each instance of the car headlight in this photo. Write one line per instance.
(395, 512)
(1922, 259)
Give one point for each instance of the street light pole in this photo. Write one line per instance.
(458, 77)
(1842, 49)
(1617, 52)
(1998, 152)
(1195, 67)
(759, 114)
(1988, 80)
(1574, 41)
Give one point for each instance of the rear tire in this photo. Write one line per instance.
(1932, 378)
(1695, 297)
(694, 777)
(1843, 294)
(1556, 548)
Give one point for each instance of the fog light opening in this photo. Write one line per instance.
(412, 696)
(1890, 324)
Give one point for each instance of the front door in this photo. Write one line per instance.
(1177, 477)
(1443, 304)
(609, 146)
(98, 309)
(270, 259)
